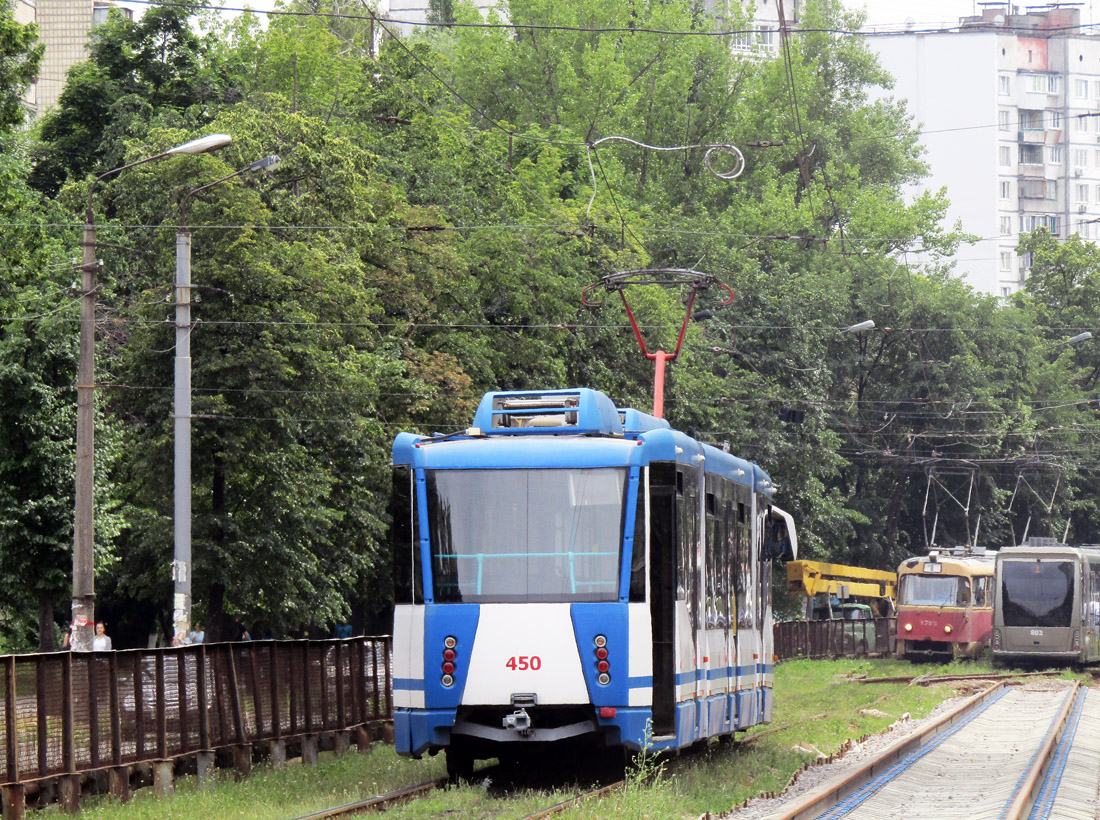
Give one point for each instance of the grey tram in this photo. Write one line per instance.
(1047, 604)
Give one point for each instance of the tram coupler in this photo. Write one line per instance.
(520, 721)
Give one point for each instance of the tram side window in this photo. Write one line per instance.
(687, 513)
(759, 569)
(722, 564)
(404, 538)
(963, 592)
(979, 591)
(637, 561)
(1093, 617)
(717, 580)
(743, 547)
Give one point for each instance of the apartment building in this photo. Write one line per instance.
(1009, 105)
(23, 12)
(64, 27)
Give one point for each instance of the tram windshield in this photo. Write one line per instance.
(526, 535)
(1037, 593)
(934, 590)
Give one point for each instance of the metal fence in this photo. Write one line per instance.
(835, 638)
(66, 713)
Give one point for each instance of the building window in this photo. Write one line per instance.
(1081, 89)
(1031, 120)
(1006, 260)
(1081, 123)
(1006, 292)
(1098, 193)
(1031, 154)
(742, 41)
(1006, 155)
(1082, 228)
(1004, 120)
(1032, 188)
(1056, 154)
(1044, 84)
(1081, 193)
(1035, 222)
(766, 37)
(1005, 86)
(1006, 189)
(1055, 118)
(1080, 158)
(1051, 188)
(1006, 225)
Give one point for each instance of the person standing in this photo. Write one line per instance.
(101, 642)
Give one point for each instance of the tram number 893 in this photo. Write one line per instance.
(524, 662)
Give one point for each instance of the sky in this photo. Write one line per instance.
(929, 13)
(882, 14)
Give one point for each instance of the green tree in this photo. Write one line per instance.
(20, 56)
(155, 71)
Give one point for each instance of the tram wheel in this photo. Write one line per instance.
(460, 764)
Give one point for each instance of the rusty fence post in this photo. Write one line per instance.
(93, 711)
(277, 744)
(309, 739)
(204, 759)
(13, 797)
(69, 782)
(139, 708)
(326, 721)
(242, 750)
(181, 701)
(118, 776)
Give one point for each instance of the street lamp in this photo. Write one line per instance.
(860, 326)
(181, 564)
(83, 606)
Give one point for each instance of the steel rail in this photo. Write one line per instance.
(924, 680)
(818, 800)
(380, 802)
(557, 808)
(1032, 779)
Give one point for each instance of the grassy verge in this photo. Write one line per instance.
(818, 707)
(269, 793)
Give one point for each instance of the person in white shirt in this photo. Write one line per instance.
(101, 642)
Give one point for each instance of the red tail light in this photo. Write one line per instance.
(449, 654)
(603, 666)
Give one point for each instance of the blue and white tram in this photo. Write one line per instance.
(567, 570)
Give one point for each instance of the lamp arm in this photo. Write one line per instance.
(90, 216)
(193, 191)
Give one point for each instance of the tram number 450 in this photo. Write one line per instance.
(524, 662)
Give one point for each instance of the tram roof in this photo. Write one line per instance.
(577, 427)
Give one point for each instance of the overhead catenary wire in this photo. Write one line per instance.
(877, 32)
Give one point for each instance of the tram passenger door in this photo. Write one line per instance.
(1091, 617)
(663, 605)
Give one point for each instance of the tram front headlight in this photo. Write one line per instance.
(947, 628)
(908, 627)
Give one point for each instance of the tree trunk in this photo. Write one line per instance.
(47, 640)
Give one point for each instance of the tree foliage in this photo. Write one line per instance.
(442, 201)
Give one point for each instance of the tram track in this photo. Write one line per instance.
(384, 802)
(983, 759)
(379, 803)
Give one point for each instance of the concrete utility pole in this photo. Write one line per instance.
(83, 605)
(181, 425)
